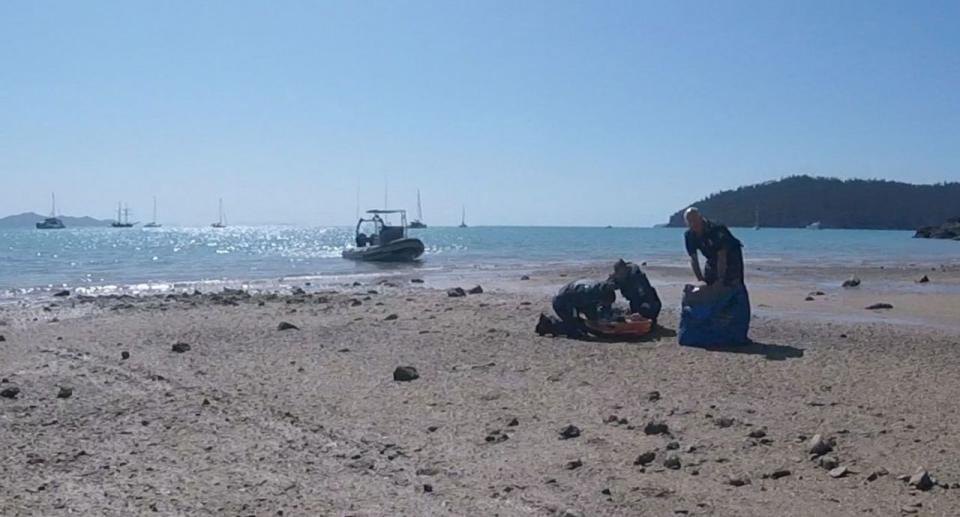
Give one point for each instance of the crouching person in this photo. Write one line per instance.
(586, 298)
(635, 287)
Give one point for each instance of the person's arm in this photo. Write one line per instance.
(695, 265)
(722, 266)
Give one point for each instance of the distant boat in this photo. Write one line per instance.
(386, 243)
(756, 219)
(53, 222)
(153, 223)
(222, 221)
(463, 218)
(123, 217)
(814, 225)
(418, 222)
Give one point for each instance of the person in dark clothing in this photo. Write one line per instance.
(635, 287)
(721, 249)
(587, 297)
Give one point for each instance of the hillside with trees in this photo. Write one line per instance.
(797, 201)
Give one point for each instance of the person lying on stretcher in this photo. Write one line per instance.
(585, 307)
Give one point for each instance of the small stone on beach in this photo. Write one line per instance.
(654, 427)
(851, 282)
(10, 393)
(391, 317)
(568, 432)
(62, 294)
(879, 306)
(65, 392)
(285, 325)
(921, 480)
(839, 472)
(738, 481)
(672, 462)
(456, 292)
(405, 374)
(645, 458)
(180, 347)
(476, 290)
(573, 465)
(416, 280)
(818, 446)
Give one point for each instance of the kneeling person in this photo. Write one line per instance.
(587, 297)
(635, 287)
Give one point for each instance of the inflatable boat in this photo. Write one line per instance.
(385, 243)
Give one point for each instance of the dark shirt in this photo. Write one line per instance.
(582, 296)
(636, 288)
(717, 237)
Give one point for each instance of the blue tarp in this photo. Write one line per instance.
(714, 316)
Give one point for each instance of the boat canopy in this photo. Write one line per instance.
(384, 212)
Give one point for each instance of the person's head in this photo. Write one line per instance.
(694, 219)
(620, 269)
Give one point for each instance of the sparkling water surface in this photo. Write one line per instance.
(38, 260)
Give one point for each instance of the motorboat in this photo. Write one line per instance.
(385, 243)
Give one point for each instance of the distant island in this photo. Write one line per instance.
(799, 201)
(30, 219)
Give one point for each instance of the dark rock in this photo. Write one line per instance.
(654, 427)
(724, 422)
(10, 393)
(757, 433)
(391, 317)
(180, 347)
(355, 303)
(809, 299)
(357, 284)
(623, 421)
(62, 294)
(568, 432)
(2, 339)
(476, 290)
(405, 374)
(427, 471)
(738, 481)
(605, 491)
(612, 419)
(672, 462)
(777, 474)
(285, 325)
(851, 282)
(525, 277)
(818, 446)
(513, 423)
(921, 480)
(416, 280)
(432, 429)
(653, 396)
(573, 465)
(456, 292)
(297, 291)
(645, 458)
(124, 355)
(924, 279)
(427, 488)
(673, 446)
(65, 392)
(879, 306)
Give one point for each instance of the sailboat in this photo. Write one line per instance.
(153, 223)
(53, 222)
(463, 218)
(222, 221)
(123, 217)
(418, 222)
(756, 219)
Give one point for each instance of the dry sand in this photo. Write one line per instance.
(257, 421)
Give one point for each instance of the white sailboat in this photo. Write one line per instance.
(418, 222)
(463, 218)
(222, 220)
(153, 223)
(53, 222)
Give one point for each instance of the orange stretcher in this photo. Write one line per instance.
(634, 325)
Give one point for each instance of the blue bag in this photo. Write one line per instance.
(714, 316)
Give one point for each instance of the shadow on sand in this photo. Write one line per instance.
(769, 351)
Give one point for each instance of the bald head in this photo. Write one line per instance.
(694, 219)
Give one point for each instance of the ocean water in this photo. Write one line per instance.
(36, 261)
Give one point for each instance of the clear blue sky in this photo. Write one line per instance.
(527, 112)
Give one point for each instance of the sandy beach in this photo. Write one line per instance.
(251, 420)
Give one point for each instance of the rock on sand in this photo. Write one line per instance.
(405, 374)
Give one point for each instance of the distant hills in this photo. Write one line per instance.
(797, 201)
(30, 219)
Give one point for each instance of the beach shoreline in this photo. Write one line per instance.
(252, 420)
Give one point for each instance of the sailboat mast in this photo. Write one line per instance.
(154, 209)
(220, 212)
(53, 200)
(419, 207)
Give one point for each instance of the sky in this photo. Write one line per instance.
(524, 113)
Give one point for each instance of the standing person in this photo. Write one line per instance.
(721, 249)
(635, 287)
(586, 297)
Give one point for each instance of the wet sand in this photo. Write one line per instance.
(252, 420)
